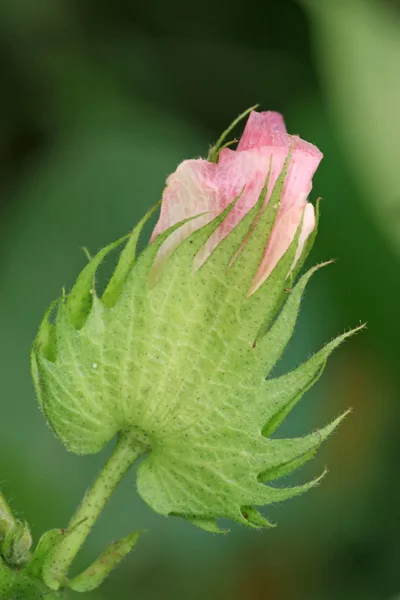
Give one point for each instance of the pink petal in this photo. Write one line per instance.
(194, 189)
(198, 186)
(189, 191)
(282, 236)
(264, 129)
(306, 231)
(304, 162)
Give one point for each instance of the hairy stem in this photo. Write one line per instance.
(126, 452)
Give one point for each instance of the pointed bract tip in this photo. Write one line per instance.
(357, 329)
(318, 479)
(347, 413)
(87, 253)
(325, 264)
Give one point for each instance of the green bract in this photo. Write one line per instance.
(182, 362)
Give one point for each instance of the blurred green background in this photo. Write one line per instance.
(99, 102)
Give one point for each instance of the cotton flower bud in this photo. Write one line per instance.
(179, 348)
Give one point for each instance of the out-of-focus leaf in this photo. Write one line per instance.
(357, 45)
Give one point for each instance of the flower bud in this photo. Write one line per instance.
(179, 347)
(16, 545)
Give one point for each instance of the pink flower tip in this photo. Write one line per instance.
(199, 186)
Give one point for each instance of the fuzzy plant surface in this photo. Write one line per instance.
(182, 364)
(174, 357)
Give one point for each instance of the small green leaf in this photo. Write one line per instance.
(95, 574)
(46, 544)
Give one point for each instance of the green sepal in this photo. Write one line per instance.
(285, 392)
(125, 263)
(79, 300)
(254, 518)
(45, 545)
(269, 348)
(113, 554)
(262, 306)
(182, 260)
(213, 153)
(46, 337)
(294, 453)
(206, 525)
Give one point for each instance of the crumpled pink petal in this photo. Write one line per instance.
(199, 186)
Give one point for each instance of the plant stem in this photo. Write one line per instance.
(126, 452)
